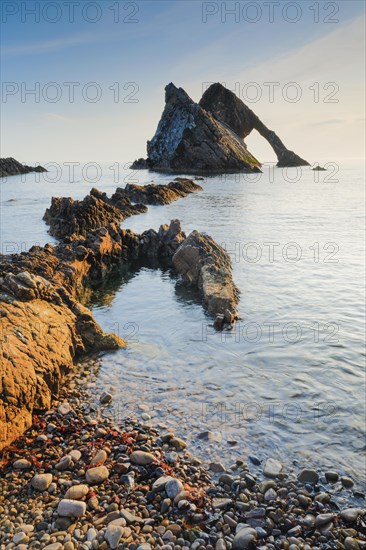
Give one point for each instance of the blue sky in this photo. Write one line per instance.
(155, 42)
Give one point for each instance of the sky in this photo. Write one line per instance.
(84, 80)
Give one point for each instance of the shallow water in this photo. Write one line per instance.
(289, 380)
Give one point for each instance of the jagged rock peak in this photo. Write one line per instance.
(190, 139)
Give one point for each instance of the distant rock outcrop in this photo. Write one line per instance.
(189, 139)
(226, 107)
(11, 167)
(208, 136)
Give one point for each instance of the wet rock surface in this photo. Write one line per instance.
(171, 506)
(190, 139)
(11, 167)
(206, 265)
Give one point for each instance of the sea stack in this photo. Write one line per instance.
(209, 136)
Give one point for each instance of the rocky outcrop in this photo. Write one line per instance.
(205, 264)
(43, 325)
(42, 330)
(11, 167)
(209, 136)
(190, 139)
(161, 194)
(228, 109)
(67, 216)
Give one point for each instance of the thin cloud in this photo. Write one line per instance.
(328, 122)
(50, 45)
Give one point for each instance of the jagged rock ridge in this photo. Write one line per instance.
(11, 167)
(67, 216)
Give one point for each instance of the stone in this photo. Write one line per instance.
(142, 458)
(226, 479)
(55, 546)
(71, 508)
(217, 468)
(178, 443)
(351, 515)
(331, 477)
(75, 455)
(128, 480)
(347, 482)
(129, 517)
(91, 534)
(351, 544)
(272, 467)
(270, 495)
(77, 492)
(161, 194)
(22, 464)
(220, 544)
(221, 503)
(64, 408)
(105, 398)
(95, 476)
(160, 483)
(244, 538)
(20, 538)
(323, 519)
(173, 487)
(66, 463)
(41, 482)
(308, 476)
(99, 458)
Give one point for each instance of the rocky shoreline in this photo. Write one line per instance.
(82, 478)
(45, 326)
